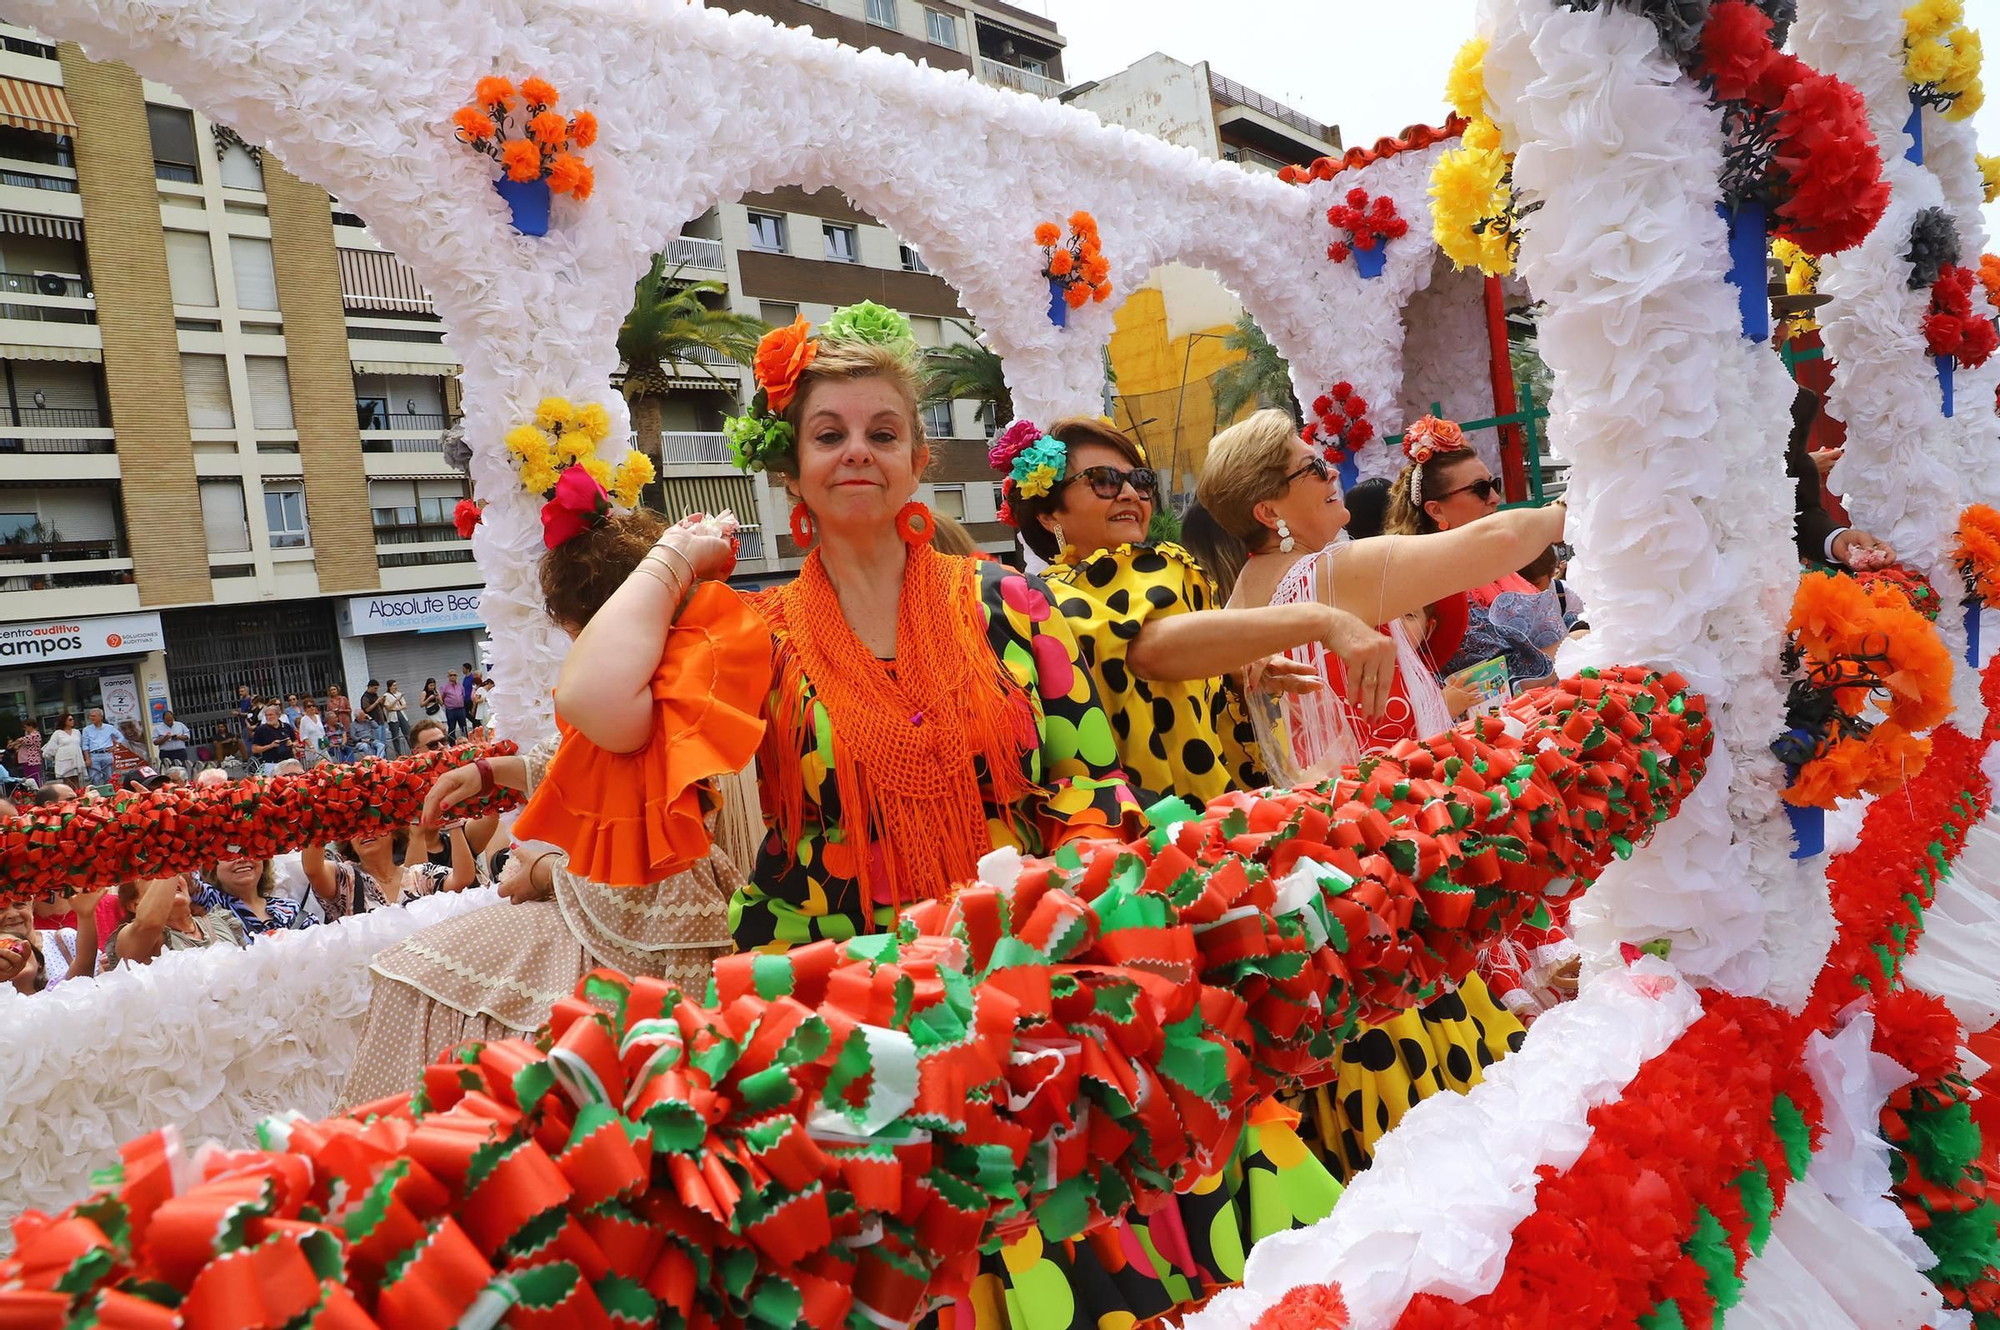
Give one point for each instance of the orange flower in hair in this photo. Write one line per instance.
(522, 159)
(1427, 436)
(583, 129)
(549, 129)
(538, 92)
(493, 91)
(782, 356)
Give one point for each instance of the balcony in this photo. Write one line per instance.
(694, 449)
(20, 179)
(695, 252)
(402, 432)
(67, 577)
(1005, 75)
(1231, 93)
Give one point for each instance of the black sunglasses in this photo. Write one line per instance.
(1108, 482)
(1317, 466)
(1485, 488)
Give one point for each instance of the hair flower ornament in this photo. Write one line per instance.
(870, 322)
(561, 443)
(1428, 436)
(761, 435)
(1033, 463)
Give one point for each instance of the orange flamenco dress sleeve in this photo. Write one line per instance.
(632, 819)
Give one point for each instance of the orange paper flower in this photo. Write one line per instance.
(522, 159)
(781, 357)
(1077, 294)
(1061, 263)
(1084, 225)
(1047, 234)
(549, 129)
(569, 174)
(474, 123)
(538, 92)
(1979, 550)
(493, 91)
(1989, 277)
(583, 129)
(1101, 292)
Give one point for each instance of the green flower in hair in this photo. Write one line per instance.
(757, 438)
(870, 322)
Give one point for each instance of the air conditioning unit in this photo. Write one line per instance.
(55, 283)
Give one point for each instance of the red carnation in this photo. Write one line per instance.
(1322, 405)
(1736, 49)
(465, 517)
(1359, 433)
(1342, 391)
(1826, 154)
(1311, 432)
(1981, 340)
(1338, 252)
(1357, 197)
(1397, 228)
(1364, 240)
(1357, 405)
(1942, 332)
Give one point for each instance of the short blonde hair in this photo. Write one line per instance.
(842, 360)
(1247, 464)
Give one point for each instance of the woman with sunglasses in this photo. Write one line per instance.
(1147, 618)
(1450, 487)
(1279, 502)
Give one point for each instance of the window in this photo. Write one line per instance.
(285, 514)
(240, 169)
(937, 420)
(174, 156)
(882, 13)
(913, 261)
(191, 268)
(223, 517)
(941, 28)
(841, 246)
(1030, 65)
(776, 314)
(270, 392)
(999, 497)
(950, 501)
(928, 331)
(256, 278)
(767, 231)
(412, 511)
(206, 380)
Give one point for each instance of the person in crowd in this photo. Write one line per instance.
(368, 719)
(48, 943)
(1281, 503)
(227, 744)
(453, 696)
(171, 737)
(211, 777)
(1367, 508)
(431, 701)
(62, 752)
(339, 717)
(247, 712)
(492, 973)
(290, 767)
(293, 710)
(273, 741)
(953, 538)
(1822, 539)
(312, 734)
(100, 747)
(160, 916)
(246, 889)
(177, 775)
(1152, 635)
(1452, 489)
(27, 750)
(395, 722)
(369, 873)
(475, 705)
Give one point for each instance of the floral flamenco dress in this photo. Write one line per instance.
(1390, 1066)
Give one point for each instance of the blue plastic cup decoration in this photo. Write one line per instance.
(1972, 609)
(1808, 830)
(528, 200)
(1944, 369)
(1914, 127)
(1368, 262)
(1748, 243)
(1058, 307)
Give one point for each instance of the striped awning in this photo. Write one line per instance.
(377, 279)
(37, 106)
(420, 368)
(711, 494)
(82, 355)
(34, 224)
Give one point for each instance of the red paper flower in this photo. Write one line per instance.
(465, 517)
(578, 504)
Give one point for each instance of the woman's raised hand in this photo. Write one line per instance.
(454, 787)
(705, 544)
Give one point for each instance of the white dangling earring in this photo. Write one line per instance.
(1285, 542)
(1062, 542)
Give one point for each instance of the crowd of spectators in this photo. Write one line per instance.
(234, 901)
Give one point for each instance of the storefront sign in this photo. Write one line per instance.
(34, 641)
(120, 692)
(411, 612)
(156, 700)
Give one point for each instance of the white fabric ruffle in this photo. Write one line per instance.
(1823, 1270)
(1955, 958)
(1851, 1167)
(211, 1041)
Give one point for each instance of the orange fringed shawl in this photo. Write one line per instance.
(631, 819)
(905, 733)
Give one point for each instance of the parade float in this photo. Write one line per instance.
(1763, 1109)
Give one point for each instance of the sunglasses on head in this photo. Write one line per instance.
(1108, 482)
(1487, 487)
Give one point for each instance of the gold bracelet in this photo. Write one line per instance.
(674, 589)
(686, 562)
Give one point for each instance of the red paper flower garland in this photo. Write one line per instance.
(88, 845)
(1367, 224)
(1952, 328)
(653, 1157)
(1340, 424)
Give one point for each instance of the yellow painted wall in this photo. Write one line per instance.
(1150, 370)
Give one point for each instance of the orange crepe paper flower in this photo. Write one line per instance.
(583, 129)
(474, 123)
(1077, 295)
(1061, 263)
(522, 159)
(1047, 234)
(538, 92)
(569, 174)
(781, 357)
(548, 129)
(493, 91)
(1979, 550)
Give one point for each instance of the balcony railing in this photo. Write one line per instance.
(375, 444)
(694, 448)
(695, 252)
(392, 421)
(415, 533)
(1020, 80)
(54, 417)
(1229, 90)
(44, 284)
(12, 445)
(36, 180)
(48, 313)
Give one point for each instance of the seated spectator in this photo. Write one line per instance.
(212, 776)
(272, 741)
(247, 889)
(47, 945)
(161, 917)
(177, 775)
(290, 767)
(368, 873)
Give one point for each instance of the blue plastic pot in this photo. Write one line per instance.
(1350, 473)
(1368, 262)
(1058, 307)
(1914, 127)
(1972, 608)
(1944, 368)
(1748, 243)
(528, 200)
(1808, 831)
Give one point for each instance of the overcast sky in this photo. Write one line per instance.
(1369, 67)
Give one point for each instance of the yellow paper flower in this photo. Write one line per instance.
(1989, 171)
(631, 479)
(554, 412)
(1037, 482)
(1481, 134)
(1465, 85)
(573, 445)
(1466, 190)
(529, 444)
(1929, 18)
(595, 421)
(538, 477)
(599, 469)
(1965, 59)
(1968, 102)
(1929, 60)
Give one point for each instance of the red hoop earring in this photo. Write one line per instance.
(803, 531)
(915, 524)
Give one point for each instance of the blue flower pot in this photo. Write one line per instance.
(1748, 243)
(1914, 127)
(1972, 608)
(1808, 831)
(1944, 368)
(1058, 307)
(528, 200)
(1368, 262)
(1350, 473)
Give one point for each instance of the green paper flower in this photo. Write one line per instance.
(870, 322)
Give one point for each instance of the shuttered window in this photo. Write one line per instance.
(256, 279)
(206, 380)
(224, 518)
(711, 495)
(191, 268)
(240, 169)
(270, 392)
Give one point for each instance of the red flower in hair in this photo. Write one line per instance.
(578, 504)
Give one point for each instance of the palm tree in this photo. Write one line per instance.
(669, 328)
(969, 370)
(1260, 379)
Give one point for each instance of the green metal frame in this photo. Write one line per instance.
(1529, 418)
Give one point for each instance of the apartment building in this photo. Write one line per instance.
(222, 447)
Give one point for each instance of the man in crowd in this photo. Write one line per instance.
(369, 721)
(171, 736)
(271, 742)
(99, 742)
(246, 711)
(453, 695)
